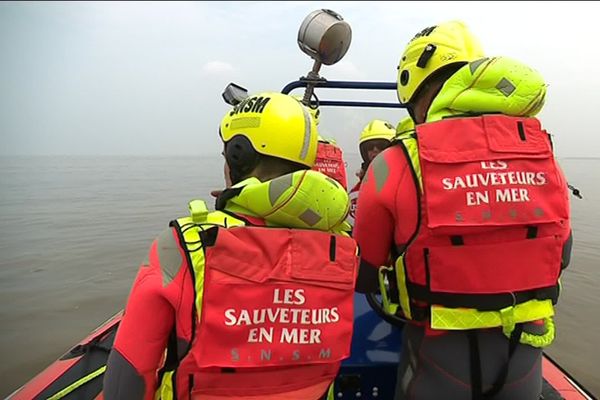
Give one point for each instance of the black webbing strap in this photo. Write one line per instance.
(171, 361)
(225, 195)
(80, 349)
(475, 362)
(515, 337)
(482, 302)
(97, 343)
(475, 359)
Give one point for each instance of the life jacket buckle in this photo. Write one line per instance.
(388, 306)
(507, 316)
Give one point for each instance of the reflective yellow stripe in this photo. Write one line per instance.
(402, 288)
(191, 228)
(63, 393)
(165, 390)
(410, 143)
(192, 241)
(388, 306)
(468, 318)
(330, 393)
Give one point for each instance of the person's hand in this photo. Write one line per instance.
(216, 193)
(360, 174)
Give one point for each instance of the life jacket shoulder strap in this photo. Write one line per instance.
(409, 143)
(194, 231)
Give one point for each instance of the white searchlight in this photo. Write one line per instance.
(325, 37)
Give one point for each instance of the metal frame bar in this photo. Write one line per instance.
(322, 83)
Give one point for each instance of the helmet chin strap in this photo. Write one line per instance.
(411, 112)
(237, 175)
(430, 88)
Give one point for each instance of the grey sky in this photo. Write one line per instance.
(146, 78)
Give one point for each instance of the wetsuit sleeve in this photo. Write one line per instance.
(143, 332)
(374, 224)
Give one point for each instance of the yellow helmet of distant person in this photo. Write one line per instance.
(377, 129)
(327, 140)
(432, 49)
(273, 124)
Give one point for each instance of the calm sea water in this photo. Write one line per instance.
(75, 229)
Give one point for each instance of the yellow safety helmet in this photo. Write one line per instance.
(274, 124)
(314, 111)
(432, 49)
(377, 129)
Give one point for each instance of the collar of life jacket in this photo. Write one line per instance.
(304, 199)
(490, 85)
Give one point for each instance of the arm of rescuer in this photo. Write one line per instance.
(568, 245)
(148, 320)
(386, 214)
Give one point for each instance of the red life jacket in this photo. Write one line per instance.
(330, 162)
(276, 313)
(353, 197)
(494, 214)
